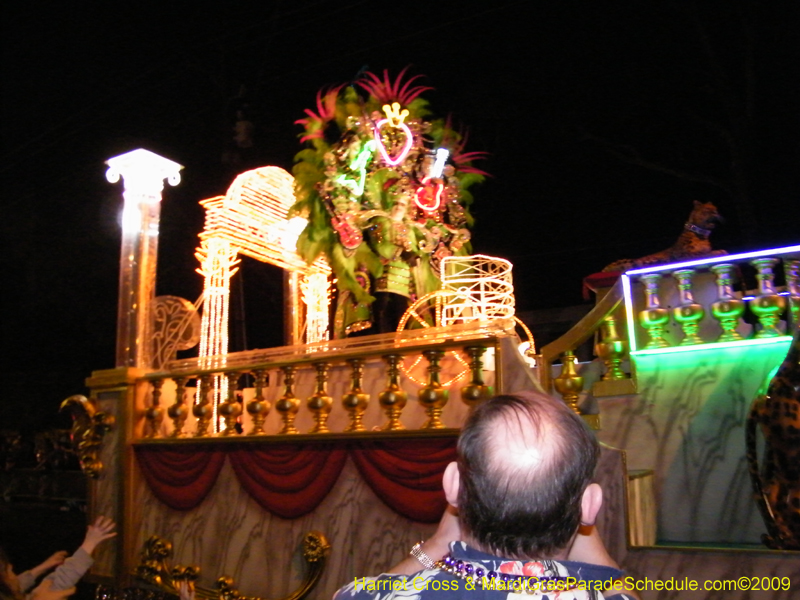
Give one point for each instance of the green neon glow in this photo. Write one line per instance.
(783, 339)
(360, 165)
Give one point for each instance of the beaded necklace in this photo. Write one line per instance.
(475, 572)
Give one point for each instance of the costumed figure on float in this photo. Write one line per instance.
(385, 192)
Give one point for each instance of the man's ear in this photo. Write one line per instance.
(450, 483)
(591, 502)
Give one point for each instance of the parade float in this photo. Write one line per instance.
(285, 472)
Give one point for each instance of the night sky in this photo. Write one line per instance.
(603, 122)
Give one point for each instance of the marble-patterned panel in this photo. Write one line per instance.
(230, 534)
(105, 490)
(715, 566)
(687, 424)
(611, 474)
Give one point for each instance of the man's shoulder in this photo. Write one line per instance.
(483, 576)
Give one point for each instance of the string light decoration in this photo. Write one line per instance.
(474, 288)
(316, 293)
(251, 219)
(408, 371)
(252, 216)
(218, 262)
(483, 286)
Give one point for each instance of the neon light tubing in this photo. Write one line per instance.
(382, 149)
(438, 165)
(715, 260)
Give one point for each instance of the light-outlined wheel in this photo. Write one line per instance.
(527, 347)
(429, 311)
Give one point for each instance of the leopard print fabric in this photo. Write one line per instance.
(692, 243)
(777, 483)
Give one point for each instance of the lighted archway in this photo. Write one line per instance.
(250, 219)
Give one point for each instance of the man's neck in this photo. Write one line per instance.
(559, 555)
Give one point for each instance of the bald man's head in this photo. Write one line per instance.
(524, 462)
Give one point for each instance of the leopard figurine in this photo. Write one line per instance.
(777, 483)
(693, 242)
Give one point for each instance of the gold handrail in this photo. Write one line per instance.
(155, 570)
(581, 332)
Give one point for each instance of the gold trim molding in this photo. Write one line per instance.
(89, 425)
(154, 568)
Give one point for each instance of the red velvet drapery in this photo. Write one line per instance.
(407, 477)
(180, 477)
(290, 480)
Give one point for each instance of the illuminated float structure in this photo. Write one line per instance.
(342, 444)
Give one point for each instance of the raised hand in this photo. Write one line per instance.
(102, 529)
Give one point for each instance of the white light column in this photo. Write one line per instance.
(143, 173)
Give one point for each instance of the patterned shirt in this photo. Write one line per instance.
(488, 577)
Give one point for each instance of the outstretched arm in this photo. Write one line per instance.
(28, 578)
(50, 563)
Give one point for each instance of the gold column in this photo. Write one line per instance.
(258, 407)
(727, 308)
(177, 412)
(689, 313)
(355, 401)
(569, 384)
(203, 410)
(612, 349)
(475, 391)
(230, 409)
(291, 308)
(653, 318)
(154, 413)
(767, 305)
(433, 396)
(143, 174)
(320, 402)
(393, 398)
(288, 404)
